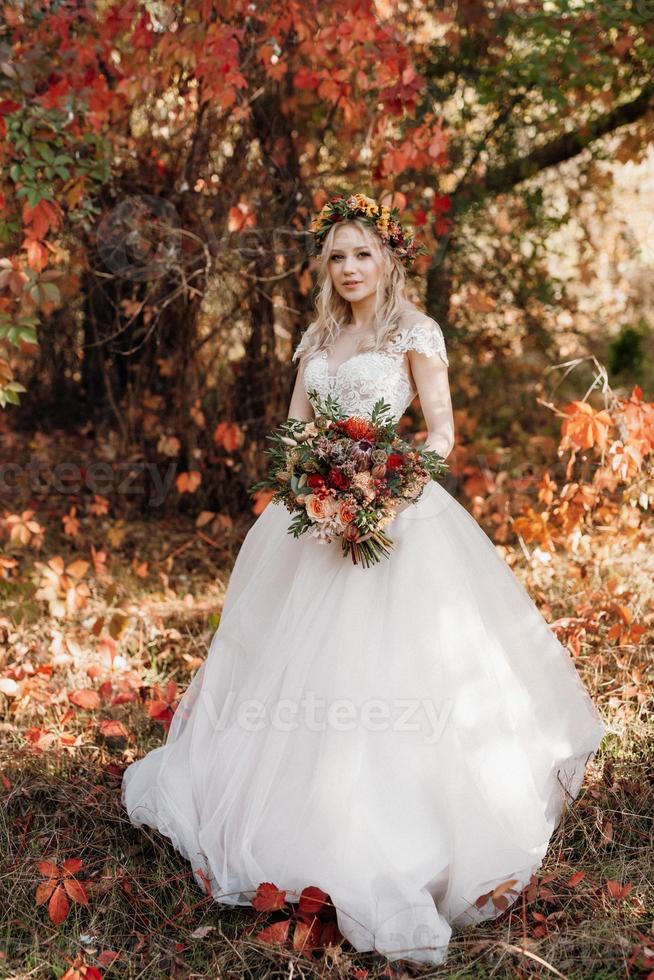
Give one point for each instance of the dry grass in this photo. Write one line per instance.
(144, 904)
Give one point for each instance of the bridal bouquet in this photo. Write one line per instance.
(343, 477)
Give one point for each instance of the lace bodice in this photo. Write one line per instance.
(364, 378)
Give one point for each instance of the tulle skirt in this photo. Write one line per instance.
(404, 737)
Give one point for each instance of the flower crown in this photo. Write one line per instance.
(386, 223)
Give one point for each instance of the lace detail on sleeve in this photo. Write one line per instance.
(425, 336)
(301, 347)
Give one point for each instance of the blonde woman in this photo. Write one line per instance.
(405, 738)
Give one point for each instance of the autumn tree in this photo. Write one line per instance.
(160, 166)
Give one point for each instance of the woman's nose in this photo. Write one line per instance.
(348, 265)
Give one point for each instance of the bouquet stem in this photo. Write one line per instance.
(370, 551)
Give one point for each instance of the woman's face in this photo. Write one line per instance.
(354, 269)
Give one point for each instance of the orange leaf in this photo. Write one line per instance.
(504, 887)
(188, 482)
(261, 500)
(241, 217)
(85, 698)
(48, 869)
(616, 890)
(574, 879)
(585, 427)
(228, 436)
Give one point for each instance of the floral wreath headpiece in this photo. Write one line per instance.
(386, 223)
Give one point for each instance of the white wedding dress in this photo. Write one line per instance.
(403, 736)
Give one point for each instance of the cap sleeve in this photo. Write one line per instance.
(301, 347)
(424, 336)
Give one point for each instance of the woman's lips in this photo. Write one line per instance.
(348, 285)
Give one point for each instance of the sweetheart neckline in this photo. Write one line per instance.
(332, 377)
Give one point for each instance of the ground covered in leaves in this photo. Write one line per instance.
(102, 626)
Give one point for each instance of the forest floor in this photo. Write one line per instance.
(92, 662)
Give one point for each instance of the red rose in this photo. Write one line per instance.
(395, 461)
(316, 480)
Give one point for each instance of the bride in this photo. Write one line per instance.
(404, 737)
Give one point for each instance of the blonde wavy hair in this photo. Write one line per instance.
(393, 309)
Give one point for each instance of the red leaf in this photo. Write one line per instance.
(45, 890)
(75, 890)
(574, 880)
(268, 897)
(618, 891)
(58, 906)
(159, 709)
(124, 698)
(48, 869)
(276, 933)
(72, 865)
(107, 957)
(113, 729)
(41, 217)
(313, 900)
(306, 936)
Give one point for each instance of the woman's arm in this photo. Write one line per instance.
(300, 406)
(433, 387)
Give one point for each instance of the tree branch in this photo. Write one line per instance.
(563, 148)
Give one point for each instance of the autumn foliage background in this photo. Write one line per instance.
(159, 166)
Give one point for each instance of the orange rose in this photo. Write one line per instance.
(347, 512)
(320, 509)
